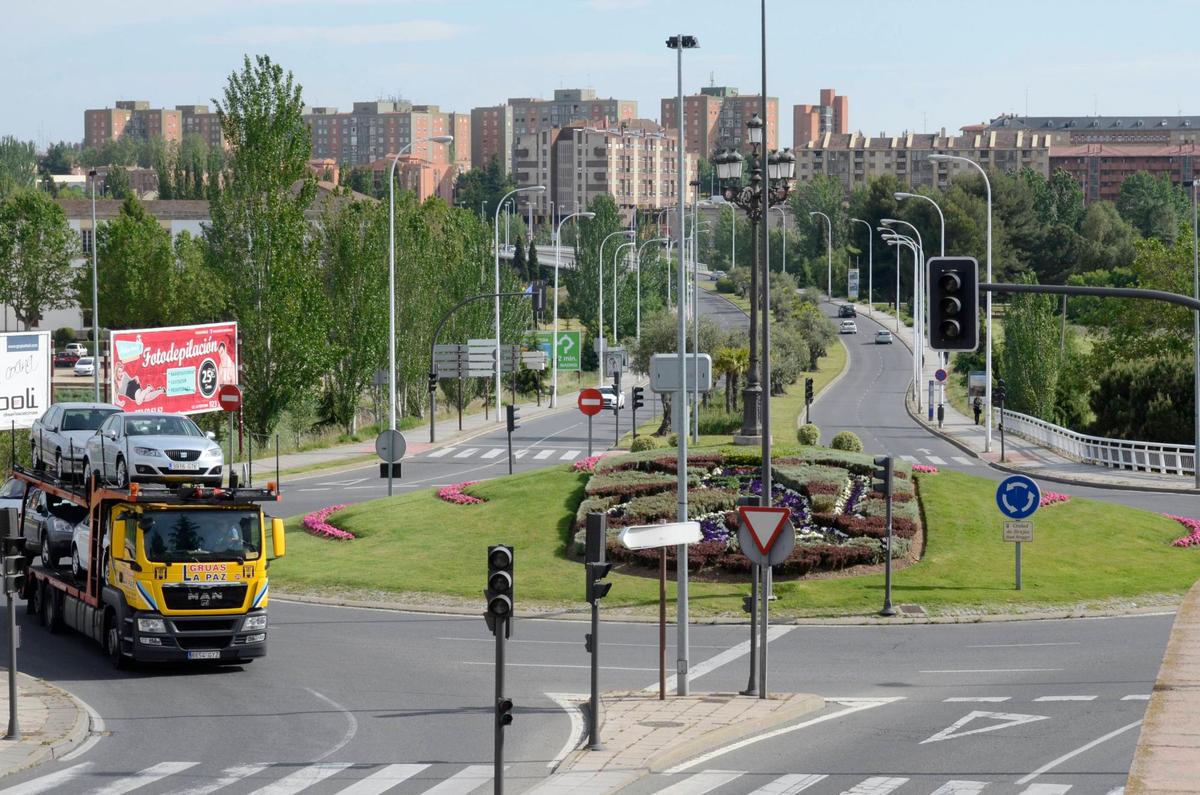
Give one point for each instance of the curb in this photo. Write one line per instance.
(76, 734)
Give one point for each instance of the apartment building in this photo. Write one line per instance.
(854, 158)
(716, 119)
(569, 105)
(635, 164)
(810, 122)
(134, 118)
(200, 121)
(492, 136)
(372, 131)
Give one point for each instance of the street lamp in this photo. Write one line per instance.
(828, 251)
(600, 311)
(919, 304)
(437, 139)
(783, 231)
(557, 264)
(616, 255)
(1195, 185)
(901, 196)
(884, 231)
(96, 297)
(755, 199)
(987, 379)
(894, 238)
(638, 264)
(496, 251)
(870, 264)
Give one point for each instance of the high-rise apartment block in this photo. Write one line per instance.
(492, 136)
(568, 106)
(809, 122)
(199, 120)
(716, 119)
(133, 118)
(374, 130)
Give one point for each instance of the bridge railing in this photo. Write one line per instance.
(1166, 459)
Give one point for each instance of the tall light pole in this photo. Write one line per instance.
(987, 386)
(616, 255)
(783, 231)
(436, 139)
(557, 265)
(828, 250)
(919, 303)
(1195, 183)
(600, 340)
(696, 320)
(679, 43)
(901, 196)
(95, 296)
(870, 264)
(496, 307)
(638, 264)
(896, 239)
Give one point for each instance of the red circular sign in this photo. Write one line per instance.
(229, 397)
(591, 402)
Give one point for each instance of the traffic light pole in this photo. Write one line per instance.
(14, 728)
(594, 743)
(498, 770)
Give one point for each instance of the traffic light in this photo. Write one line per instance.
(14, 564)
(595, 538)
(808, 391)
(639, 397)
(1000, 392)
(512, 413)
(953, 303)
(597, 589)
(504, 708)
(433, 379)
(499, 590)
(881, 479)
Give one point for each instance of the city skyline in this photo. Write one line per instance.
(436, 52)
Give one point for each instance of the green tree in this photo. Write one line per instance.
(36, 247)
(1029, 358)
(1153, 205)
(116, 183)
(197, 295)
(531, 261)
(484, 187)
(60, 158)
(135, 262)
(518, 260)
(1146, 399)
(18, 165)
(262, 244)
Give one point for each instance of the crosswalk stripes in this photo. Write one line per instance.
(302, 779)
(1046, 789)
(702, 782)
(789, 784)
(383, 780)
(144, 777)
(442, 452)
(52, 782)
(228, 777)
(960, 788)
(467, 453)
(493, 453)
(876, 785)
(463, 781)
(962, 460)
(933, 459)
(570, 455)
(543, 455)
(912, 459)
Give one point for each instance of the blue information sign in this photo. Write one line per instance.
(1018, 497)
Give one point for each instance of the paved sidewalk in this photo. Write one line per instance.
(1022, 455)
(642, 735)
(52, 723)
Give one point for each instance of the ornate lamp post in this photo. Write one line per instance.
(755, 199)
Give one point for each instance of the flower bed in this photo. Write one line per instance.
(586, 464)
(1052, 498)
(925, 469)
(455, 493)
(318, 524)
(839, 522)
(1192, 539)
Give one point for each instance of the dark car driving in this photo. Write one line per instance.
(847, 310)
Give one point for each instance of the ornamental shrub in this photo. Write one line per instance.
(725, 285)
(643, 443)
(847, 440)
(808, 434)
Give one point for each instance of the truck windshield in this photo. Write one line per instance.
(196, 536)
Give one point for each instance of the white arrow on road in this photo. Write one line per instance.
(1005, 719)
(924, 450)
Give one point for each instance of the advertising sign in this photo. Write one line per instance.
(852, 286)
(176, 370)
(24, 377)
(569, 348)
(976, 384)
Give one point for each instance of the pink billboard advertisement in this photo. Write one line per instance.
(176, 370)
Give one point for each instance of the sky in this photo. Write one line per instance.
(906, 65)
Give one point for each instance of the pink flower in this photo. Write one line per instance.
(925, 468)
(1052, 497)
(1192, 539)
(454, 493)
(586, 464)
(316, 524)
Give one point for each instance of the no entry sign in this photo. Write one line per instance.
(229, 397)
(591, 402)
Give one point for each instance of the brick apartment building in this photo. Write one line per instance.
(374, 130)
(492, 136)
(809, 122)
(716, 119)
(568, 106)
(134, 118)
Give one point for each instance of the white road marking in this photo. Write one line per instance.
(789, 784)
(912, 459)
(702, 782)
(717, 660)
(1053, 763)
(467, 453)
(852, 705)
(1045, 789)
(933, 459)
(520, 454)
(302, 779)
(495, 451)
(989, 670)
(464, 781)
(976, 699)
(557, 665)
(51, 782)
(574, 643)
(143, 777)
(570, 455)
(314, 489)
(229, 776)
(571, 704)
(1005, 720)
(1134, 697)
(578, 781)
(442, 452)
(957, 787)
(1020, 645)
(876, 785)
(1065, 698)
(963, 460)
(543, 455)
(383, 780)
(351, 725)
(96, 730)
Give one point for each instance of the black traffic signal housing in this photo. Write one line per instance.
(1000, 393)
(881, 479)
(512, 414)
(499, 591)
(597, 588)
(14, 564)
(808, 391)
(639, 397)
(595, 538)
(433, 379)
(953, 303)
(504, 708)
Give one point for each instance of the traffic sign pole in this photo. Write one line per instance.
(1018, 565)
(1018, 497)
(589, 436)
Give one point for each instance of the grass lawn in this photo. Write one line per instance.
(1086, 553)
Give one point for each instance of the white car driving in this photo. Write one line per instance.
(849, 327)
(164, 448)
(612, 397)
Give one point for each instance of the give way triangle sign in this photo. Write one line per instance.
(1003, 720)
(764, 524)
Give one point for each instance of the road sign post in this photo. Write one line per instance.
(390, 446)
(766, 537)
(1018, 497)
(14, 574)
(591, 403)
(230, 399)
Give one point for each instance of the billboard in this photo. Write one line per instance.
(25, 370)
(177, 370)
(852, 284)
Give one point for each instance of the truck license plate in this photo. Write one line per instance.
(204, 655)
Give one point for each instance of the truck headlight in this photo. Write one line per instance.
(149, 452)
(152, 625)
(255, 622)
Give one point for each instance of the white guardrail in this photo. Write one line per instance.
(1167, 459)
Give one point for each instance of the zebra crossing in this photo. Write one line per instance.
(937, 460)
(728, 781)
(488, 453)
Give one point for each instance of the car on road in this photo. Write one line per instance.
(48, 525)
(60, 436)
(12, 494)
(848, 327)
(65, 358)
(719, 274)
(847, 310)
(162, 448)
(883, 337)
(86, 365)
(77, 348)
(612, 397)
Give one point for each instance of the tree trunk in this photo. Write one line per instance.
(665, 426)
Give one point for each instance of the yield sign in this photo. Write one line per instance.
(1005, 720)
(764, 524)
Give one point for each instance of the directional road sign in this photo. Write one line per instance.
(390, 446)
(229, 397)
(650, 536)
(1018, 497)
(569, 348)
(591, 402)
(1018, 531)
(664, 372)
(940, 375)
(765, 534)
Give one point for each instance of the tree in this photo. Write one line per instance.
(1148, 399)
(116, 183)
(1153, 205)
(18, 165)
(135, 262)
(261, 243)
(1029, 358)
(518, 260)
(484, 187)
(60, 158)
(531, 262)
(197, 292)
(36, 246)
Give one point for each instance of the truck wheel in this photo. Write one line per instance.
(112, 642)
(33, 600)
(51, 619)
